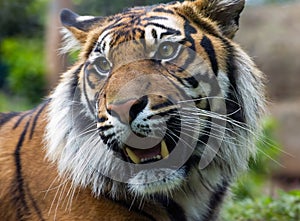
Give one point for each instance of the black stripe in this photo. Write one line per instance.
(105, 139)
(232, 103)
(171, 30)
(168, 33)
(179, 79)
(189, 30)
(176, 213)
(154, 35)
(34, 204)
(162, 105)
(18, 186)
(203, 25)
(36, 117)
(230, 62)
(110, 29)
(190, 59)
(216, 200)
(21, 118)
(163, 10)
(105, 128)
(192, 81)
(155, 18)
(141, 35)
(90, 107)
(209, 48)
(74, 82)
(5, 117)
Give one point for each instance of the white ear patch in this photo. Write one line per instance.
(69, 42)
(84, 18)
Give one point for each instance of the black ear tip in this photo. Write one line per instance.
(68, 17)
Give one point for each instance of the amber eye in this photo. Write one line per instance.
(102, 65)
(166, 50)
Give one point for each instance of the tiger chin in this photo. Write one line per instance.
(153, 122)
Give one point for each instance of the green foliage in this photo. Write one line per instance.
(13, 103)
(22, 17)
(24, 59)
(284, 207)
(247, 202)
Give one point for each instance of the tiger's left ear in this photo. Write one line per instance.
(78, 25)
(225, 12)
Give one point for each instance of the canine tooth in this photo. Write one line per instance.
(132, 156)
(164, 150)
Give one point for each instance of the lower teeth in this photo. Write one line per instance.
(164, 153)
(158, 157)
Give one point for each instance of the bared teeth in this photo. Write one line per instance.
(164, 150)
(164, 153)
(132, 156)
(158, 157)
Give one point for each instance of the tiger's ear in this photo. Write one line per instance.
(78, 25)
(225, 12)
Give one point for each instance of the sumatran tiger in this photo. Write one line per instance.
(153, 122)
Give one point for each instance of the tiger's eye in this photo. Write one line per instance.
(103, 64)
(166, 50)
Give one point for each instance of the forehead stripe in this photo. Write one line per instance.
(209, 49)
(163, 10)
(151, 18)
(170, 30)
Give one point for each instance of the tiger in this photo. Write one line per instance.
(154, 121)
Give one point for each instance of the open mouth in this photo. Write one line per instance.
(160, 151)
(142, 156)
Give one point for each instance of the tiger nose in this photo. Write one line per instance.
(128, 110)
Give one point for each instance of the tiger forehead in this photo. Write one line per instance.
(139, 23)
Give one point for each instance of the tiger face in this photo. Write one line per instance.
(161, 100)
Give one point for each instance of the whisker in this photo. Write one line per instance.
(205, 144)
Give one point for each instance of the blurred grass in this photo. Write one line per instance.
(24, 61)
(14, 103)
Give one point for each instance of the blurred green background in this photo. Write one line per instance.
(30, 66)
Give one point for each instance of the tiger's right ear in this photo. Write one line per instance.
(78, 25)
(225, 12)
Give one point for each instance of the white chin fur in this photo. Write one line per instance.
(156, 181)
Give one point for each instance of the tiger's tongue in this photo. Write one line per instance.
(147, 153)
(159, 151)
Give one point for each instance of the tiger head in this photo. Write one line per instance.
(159, 99)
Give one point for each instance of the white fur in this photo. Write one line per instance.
(69, 42)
